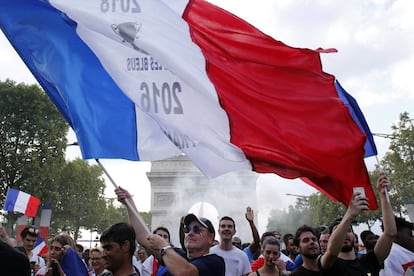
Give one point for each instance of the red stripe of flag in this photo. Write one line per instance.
(284, 111)
(32, 206)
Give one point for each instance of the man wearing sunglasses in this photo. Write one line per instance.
(199, 235)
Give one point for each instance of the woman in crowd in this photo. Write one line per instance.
(273, 266)
(63, 260)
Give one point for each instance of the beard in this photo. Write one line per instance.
(347, 248)
(311, 256)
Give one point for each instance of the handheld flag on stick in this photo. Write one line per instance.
(151, 82)
(18, 201)
(40, 247)
(387, 196)
(45, 218)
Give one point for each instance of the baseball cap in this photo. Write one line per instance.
(203, 221)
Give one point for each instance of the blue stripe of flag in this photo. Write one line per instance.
(102, 117)
(358, 116)
(11, 199)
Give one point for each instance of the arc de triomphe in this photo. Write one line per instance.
(178, 186)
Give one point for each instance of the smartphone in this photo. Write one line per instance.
(55, 269)
(360, 190)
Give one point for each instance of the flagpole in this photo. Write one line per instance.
(381, 170)
(127, 200)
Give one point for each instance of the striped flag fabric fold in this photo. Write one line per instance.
(40, 247)
(356, 113)
(286, 113)
(18, 201)
(146, 82)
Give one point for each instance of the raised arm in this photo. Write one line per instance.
(255, 244)
(5, 237)
(336, 240)
(141, 230)
(176, 264)
(383, 246)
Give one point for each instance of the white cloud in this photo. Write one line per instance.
(11, 66)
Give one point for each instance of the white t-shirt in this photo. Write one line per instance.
(397, 261)
(39, 260)
(137, 263)
(237, 262)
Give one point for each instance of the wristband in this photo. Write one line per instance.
(164, 250)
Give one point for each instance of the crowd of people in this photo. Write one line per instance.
(130, 249)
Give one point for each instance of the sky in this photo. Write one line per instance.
(374, 63)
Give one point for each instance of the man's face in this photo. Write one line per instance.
(198, 237)
(163, 234)
(236, 241)
(97, 261)
(308, 245)
(114, 254)
(323, 242)
(29, 242)
(142, 254)
(226, 230)
(292, 248)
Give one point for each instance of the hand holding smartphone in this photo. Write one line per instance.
(360, 190)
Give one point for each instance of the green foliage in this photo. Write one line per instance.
(32, 145)
(399, 163)
(111, 215)
(114, 214)
(80, 200)
(146, 217)
(324, 210)
(32, 142)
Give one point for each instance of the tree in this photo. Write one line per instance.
(80, 201)
(115, 214)
(399, 163)
(111, 215)
(323, 209)
(32, 142)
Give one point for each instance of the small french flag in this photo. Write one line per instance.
(22, 202)
(40, 247)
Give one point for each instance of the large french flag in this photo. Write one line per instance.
(148, 79)
(18, 201)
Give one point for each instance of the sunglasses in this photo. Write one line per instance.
(196, 229)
